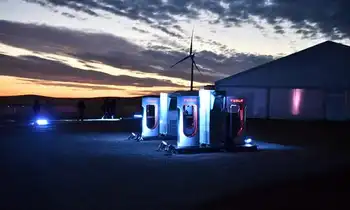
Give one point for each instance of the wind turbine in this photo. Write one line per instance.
(193, 63)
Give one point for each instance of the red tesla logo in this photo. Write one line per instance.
(236, 100)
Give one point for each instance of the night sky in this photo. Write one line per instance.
(90, 48)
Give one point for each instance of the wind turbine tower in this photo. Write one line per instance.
(193, 63)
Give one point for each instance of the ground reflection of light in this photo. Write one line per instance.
(89, 120)
(263, 145)
(296, 101)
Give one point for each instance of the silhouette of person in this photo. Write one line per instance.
(81, 108)
(113, 104)
(105, 109)
(109, 108)
(36, 107)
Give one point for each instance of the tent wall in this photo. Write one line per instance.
(296, 104)
(337, 106)
(293, 104)
(321, 73)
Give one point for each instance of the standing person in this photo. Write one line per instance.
(81, 108)
(36, 107)
(109, 108)
(108, 105)
(113, 107)
(105, 109)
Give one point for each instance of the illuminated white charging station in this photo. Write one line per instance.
(188, 121)
(211, 120)
(203, 119)
(163, 114)
(211, 117)
(150, 116)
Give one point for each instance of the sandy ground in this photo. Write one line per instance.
(91, 166)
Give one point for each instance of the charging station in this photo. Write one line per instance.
(236, 138)
(150, 117)
(211, 121)
(188, 120)
(236, 120)
(212, 114)
(204, 120)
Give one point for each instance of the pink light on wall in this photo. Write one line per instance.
(297, 97)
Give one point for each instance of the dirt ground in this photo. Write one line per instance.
(92, 166)
(303, 133)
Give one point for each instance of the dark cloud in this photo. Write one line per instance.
(80, 6)
(177, 27)
(167, 31)
(279, 29)
(328, 17)
(53, 83)
(38, 68)
(42, 38)
(168, 42)
(67, 15)
(140, 30)
(230, 65)
(118, 52)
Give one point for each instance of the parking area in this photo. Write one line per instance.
(92, 167)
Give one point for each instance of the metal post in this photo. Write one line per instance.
(192, 76)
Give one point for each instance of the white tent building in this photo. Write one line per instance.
(312, 84)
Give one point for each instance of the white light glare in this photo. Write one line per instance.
(248, 141)
(42, 122)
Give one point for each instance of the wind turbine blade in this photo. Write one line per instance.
(180, 61)
(191, 45)
(194, 62)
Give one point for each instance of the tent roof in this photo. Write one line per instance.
(325, 65)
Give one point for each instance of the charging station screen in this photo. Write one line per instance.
(151, 118)
(218, 104)
(173, 104)
(189, 119)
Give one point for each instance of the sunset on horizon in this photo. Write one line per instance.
(84, 48)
